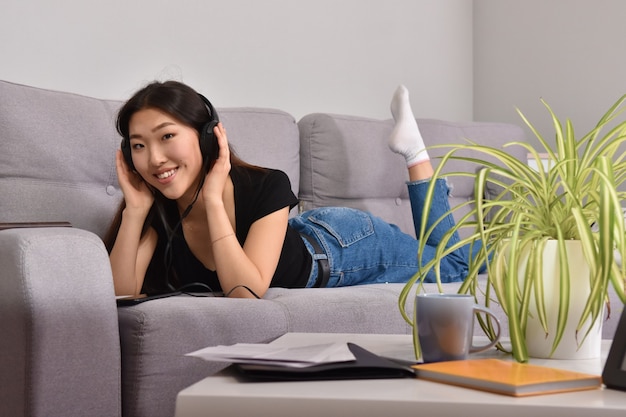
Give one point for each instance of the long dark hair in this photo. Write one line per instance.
(186, 106)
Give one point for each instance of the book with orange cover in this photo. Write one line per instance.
(507, 377)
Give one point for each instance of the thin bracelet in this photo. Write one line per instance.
(223, 237)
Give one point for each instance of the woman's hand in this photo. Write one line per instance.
(137, 194)
(215, 181)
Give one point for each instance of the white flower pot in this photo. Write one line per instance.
(570, 347)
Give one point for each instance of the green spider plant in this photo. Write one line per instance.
(576, 198)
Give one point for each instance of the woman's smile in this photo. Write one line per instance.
(167, 176)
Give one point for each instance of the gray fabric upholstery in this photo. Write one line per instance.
(156, 335)
(66, 350)
(265, 137)
(57, 157)
(364, 309)
(345, 161)
(60, 352)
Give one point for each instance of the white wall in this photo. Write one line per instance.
(572, 53)
(302, 56)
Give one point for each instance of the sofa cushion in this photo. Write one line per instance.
(265, 137)
(345, 161)
(57, 160)
(156, 335)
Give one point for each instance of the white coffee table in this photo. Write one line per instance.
(225, 395)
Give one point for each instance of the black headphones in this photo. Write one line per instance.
(208, 141)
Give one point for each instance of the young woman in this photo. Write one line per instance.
(197, 219)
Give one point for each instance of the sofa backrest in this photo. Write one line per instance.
(265, 137)
(58, 153)
(345, 161)
(57, 159)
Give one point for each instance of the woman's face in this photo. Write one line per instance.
(165, 152)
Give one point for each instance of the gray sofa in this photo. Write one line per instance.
(67, 350)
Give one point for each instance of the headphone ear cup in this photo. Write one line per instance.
(125, 146)
(208, 143)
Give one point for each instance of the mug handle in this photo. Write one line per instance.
(476, 349)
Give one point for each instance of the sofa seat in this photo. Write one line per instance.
(156, 335)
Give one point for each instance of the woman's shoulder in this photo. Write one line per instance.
(259, 193)
(264, 188)
(253, 175)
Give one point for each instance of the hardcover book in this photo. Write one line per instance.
(507, 377)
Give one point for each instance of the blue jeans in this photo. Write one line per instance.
(364, 249)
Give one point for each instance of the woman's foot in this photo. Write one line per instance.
(405, 137)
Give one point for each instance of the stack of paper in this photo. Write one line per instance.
(268, 354)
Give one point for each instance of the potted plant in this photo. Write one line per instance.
(572, 208)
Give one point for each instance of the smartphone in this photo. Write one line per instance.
(134, 300)
(22, 225)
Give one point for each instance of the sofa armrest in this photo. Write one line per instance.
(60, 351)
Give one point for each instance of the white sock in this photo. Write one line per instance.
(405, 137)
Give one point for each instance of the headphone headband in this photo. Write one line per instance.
(212, 112)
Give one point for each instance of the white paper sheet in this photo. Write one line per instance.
(267, 354)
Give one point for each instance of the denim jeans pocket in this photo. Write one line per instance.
(344, 224)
